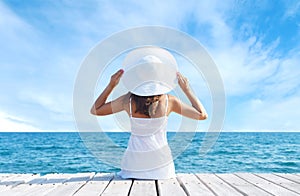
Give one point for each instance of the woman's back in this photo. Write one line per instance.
(148, 154)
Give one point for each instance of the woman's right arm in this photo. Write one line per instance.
(101, 107)
(197, 111)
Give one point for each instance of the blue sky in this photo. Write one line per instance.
(255, 45)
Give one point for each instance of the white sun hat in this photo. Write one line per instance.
(149, 70)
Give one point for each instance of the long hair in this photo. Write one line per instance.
(146, 104)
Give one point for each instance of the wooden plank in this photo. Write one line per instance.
(143, 187)
(242, 185)
(15, 180)
(96, 185)
(192, 185)
(38, 180)
(295, 187)
(51, 182)
(170, 187)
(21, 188)
(18, 190)
(4, 175)
(291, 177)
(217, 185)
(56, 178)
(9, 185)
(27, 185)
(36, 189)
(8, 175)
(265, 185)
(70, 186)
(118, 186)
(8, 180)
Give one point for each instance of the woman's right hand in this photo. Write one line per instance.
(183, 82)
(114, 79)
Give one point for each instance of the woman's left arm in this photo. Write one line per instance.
(100, 107)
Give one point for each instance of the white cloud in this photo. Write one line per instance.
(270, 101)
(135, 13)
(244, 59)
(37, 75)
(285, 82)
(292, 9)
(52, 102)
(18, 40)
(244, 66)
(257, 114)
(9, 123)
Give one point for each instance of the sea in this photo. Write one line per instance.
(226, 152)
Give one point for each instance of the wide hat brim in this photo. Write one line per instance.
(149, 71)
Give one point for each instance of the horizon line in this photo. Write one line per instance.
(172, 131)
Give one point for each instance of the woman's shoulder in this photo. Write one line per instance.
(171, 97)
(123, 99)
(173, 101)
(126, 97)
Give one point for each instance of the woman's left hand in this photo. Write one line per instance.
(114, 80)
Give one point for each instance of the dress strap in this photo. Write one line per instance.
(167, 104)
(130, 111)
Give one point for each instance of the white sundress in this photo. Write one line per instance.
(148, 155)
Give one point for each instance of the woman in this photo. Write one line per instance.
(148, 105)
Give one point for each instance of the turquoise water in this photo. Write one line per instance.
(233, 152)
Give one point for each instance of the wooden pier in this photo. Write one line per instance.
(89, 184)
